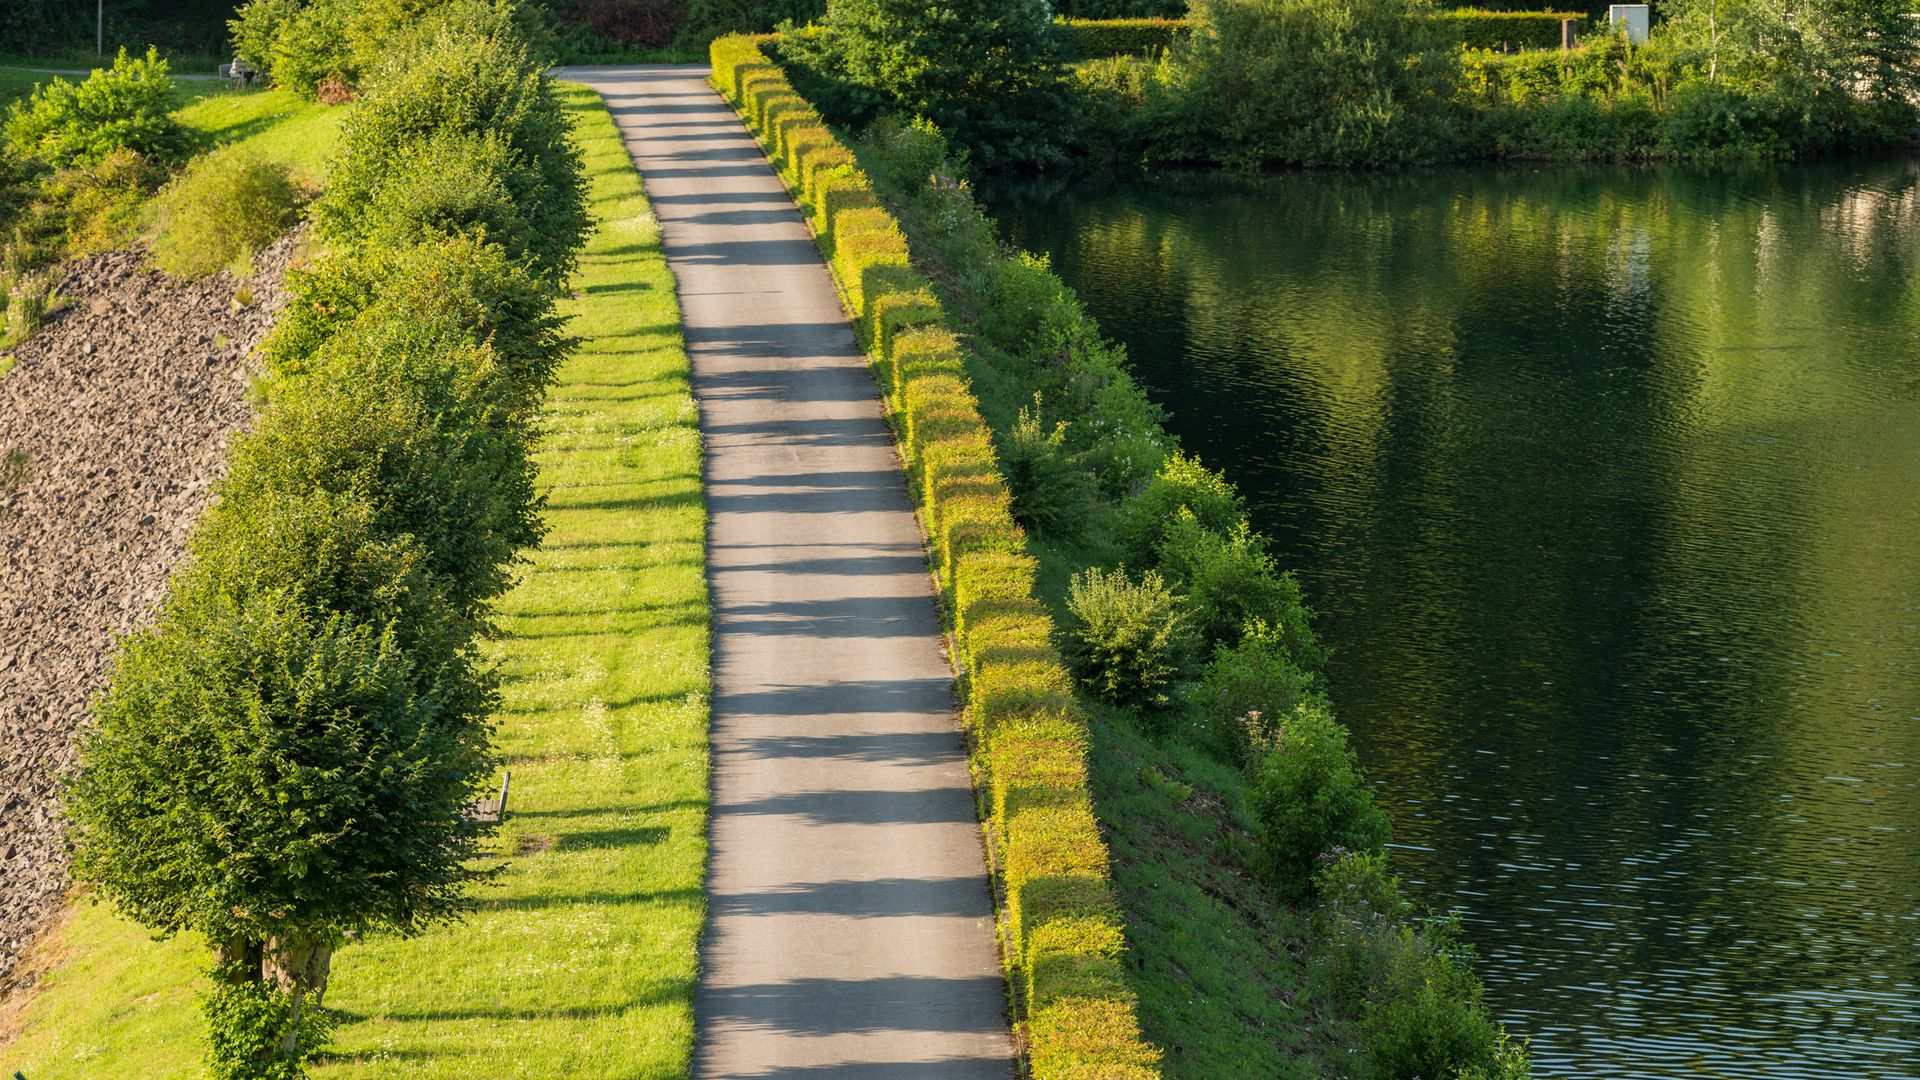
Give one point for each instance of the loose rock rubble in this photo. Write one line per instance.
(114, 422)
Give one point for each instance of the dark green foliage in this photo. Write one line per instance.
(1249, 686)
(1129, 640)
(284, 761)
(56, 27)
(1311, 82)
(1309, 797)
(1091, 40)
(1051, 496)
(1183, 487)
(401, 414)
(463, 84)
(126, 107)
(1403, 987)
(224, 207)
(1120, 9)
(986, 72)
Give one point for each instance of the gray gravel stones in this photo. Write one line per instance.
(114, 422)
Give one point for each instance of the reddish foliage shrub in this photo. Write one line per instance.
(632, 22)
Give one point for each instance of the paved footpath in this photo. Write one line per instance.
(850, 928)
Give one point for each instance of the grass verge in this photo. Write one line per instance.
(581, 959)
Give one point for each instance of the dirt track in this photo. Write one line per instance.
(114, 422)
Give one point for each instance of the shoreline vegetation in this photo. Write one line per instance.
(564, 940)
(1197, 669)
(1262, 84)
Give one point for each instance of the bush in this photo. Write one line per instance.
(1249, 687)
(1404, 987)
(453, 283)
(1310, 798)
(126, 107)
(249, 1021)
(256, 28)
(1311, 82)
(451, 184)
(1130, 640)
(401, 412)
(1182, 487)
(222, 209)
(311, 48)
(1050, 495)
(463, 84)
(1230, 581)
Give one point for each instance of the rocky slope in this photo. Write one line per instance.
(114, 422)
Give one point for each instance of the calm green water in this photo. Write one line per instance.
(1606, 485)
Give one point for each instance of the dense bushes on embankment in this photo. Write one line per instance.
(1472, 28)
(284, 761)
(1263, 83)
(1177, 616)
(1063, 938)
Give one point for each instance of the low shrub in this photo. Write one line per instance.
(222, 208)
(1247, 689)
(1183, 487)
(1130, 639)
(249, 1021)
(1230, 581)
(1051, 496)
(460, 283)
(1309, 797)
(128, 106)
(1404, 987)
(28, 299)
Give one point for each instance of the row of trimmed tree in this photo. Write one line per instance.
(284, 762)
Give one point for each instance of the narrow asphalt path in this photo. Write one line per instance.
(850, 929)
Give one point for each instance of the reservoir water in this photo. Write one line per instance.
(1605, 484)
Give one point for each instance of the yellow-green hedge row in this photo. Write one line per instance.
(1061, 928)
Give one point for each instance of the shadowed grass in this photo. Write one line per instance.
(581, 958)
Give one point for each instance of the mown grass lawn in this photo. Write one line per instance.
(581, 959)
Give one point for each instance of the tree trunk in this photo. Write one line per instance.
(299, 967)
(237, 961)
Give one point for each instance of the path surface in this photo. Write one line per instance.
(851, 927)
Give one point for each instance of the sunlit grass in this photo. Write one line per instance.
(272, 123)
(582, 958)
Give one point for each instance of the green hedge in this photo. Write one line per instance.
(1475, 28)
(1062, 928)
(1504, 30)
(1095, 39)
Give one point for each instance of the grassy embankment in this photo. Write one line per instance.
(581, 959)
